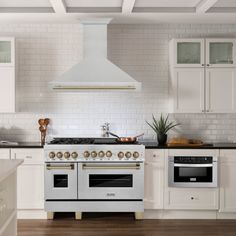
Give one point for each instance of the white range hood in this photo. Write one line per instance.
(95, 71)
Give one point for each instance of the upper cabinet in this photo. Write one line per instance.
(203, 75)
(7, 51)
(220, 53)
(188, 52)
(7, 75)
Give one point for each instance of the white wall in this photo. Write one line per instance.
(44, 51)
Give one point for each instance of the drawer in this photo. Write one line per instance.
(227, 156)
(4, 153)
(193, 152)
(201, 199)
(154, 155)
(30, 156)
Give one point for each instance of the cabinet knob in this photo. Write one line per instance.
(203, 64)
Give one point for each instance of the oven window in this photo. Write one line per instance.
(111, 181)
(193, 174)
(60, 181)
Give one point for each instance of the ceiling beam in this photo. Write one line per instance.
(59, 6)
(127, 6)
(204, 5)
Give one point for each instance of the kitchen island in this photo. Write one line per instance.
(8, 223)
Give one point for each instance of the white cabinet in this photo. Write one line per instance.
(188, 89)
(30, 187)
(7, 75)
(188, 52)
(4, 153)
(190, 198)
(154, 179)
(220, 53)
(221, 90)
(203, 75)
(227, 180)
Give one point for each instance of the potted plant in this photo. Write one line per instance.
(161, 127)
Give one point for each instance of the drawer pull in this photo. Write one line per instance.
(29, 157)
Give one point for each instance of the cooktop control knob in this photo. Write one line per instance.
(135, 155)
(121, 155)
(67, 155)
(86, 154)
(108, 154)
(59, 155)
(101, 154)
(52, 155)
(74, 155)
(94, 154)
(128, 154)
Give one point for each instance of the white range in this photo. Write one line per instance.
(93, 175)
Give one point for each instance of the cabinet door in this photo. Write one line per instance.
(220, 90)
(220, 53)
(188, 52)
(30, 187)
(7, 51)
(7, 89)
(188, 89)
(154, 179)
(227, 181)
(4, 153)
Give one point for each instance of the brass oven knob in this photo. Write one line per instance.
(52, 155)
(67, 155)
(94, 154)
(136, 155)
(59, 155)
(121, 155)
(86, 154)
(101, 154)
(128, 154)
(108, 153)
(74, 155)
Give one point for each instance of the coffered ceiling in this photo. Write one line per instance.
(123, 11)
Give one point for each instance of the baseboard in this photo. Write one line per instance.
(227, 215)
(31, 214)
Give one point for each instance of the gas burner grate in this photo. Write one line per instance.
(72, 141)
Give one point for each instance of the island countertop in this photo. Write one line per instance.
(7, 167)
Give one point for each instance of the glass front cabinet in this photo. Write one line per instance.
(7, 51)
(220, 53)
(188, 52)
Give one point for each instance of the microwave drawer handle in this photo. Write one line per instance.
(111, 167)
(55, 167)
(193, 165)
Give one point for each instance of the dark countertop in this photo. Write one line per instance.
(154, 145)
(22, 145)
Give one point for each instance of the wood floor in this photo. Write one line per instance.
(124, 225)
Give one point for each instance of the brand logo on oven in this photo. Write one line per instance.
(193, 179)
(111, 194)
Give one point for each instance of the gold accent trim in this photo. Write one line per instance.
(94, 88)
(110, 167)
(138, 215)
(78, 215)
(55, 167)
(50, 215)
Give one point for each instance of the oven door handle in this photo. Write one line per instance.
(193, 165)
(111, 167)
(60, 167)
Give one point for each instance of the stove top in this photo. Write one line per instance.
(76, 141)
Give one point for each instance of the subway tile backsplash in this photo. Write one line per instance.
(44, 51)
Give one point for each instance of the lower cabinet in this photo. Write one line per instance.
(227, 180)
(30, 179)
(154, 179)
(4, 153)
(191, 198)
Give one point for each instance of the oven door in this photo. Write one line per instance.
(192, 175)
(60, 181)
(110, 181)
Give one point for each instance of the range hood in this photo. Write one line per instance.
(95, 71)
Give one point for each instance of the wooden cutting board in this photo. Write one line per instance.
(185, 145)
